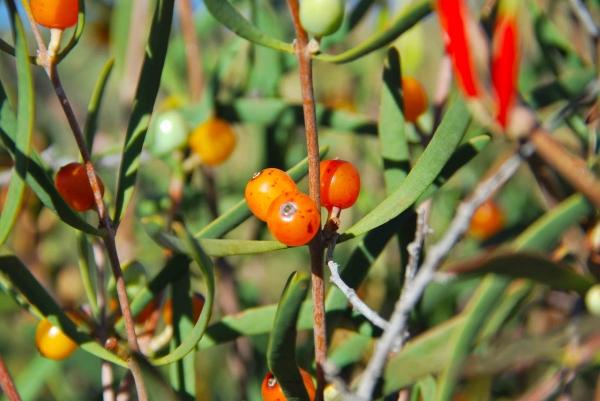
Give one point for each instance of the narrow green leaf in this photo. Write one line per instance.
(182, 372)
(226, 14)
(156, 386)
(352, 350)
(240, 212)
(546, 230)
(268, 111)
(24, 131)
(22, 279)
(91, 122)
(143, 104)
(76, 34)
(87, 269)
(477, 310)
(206, 268)
(430, 164)
(537, 268)
(281, 352)
(31, 381)
(212, 247)
(566, 87)
(405, 20)
(392, 136)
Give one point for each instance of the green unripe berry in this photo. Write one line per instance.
(169, 131)
(592, 300)
(321, 17)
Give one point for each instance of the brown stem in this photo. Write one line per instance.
(192, 49)
(571, 168)
(7, 384)
(316, 246)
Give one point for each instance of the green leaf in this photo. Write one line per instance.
(268, 111)
(479, 307)
(183, 377)
(240, 212)
(405, 20)
(537, 268)
(157, 387)
(21, 278)
(87, 269)
(143, 104)
(566, 87)
(212, 247)
(24, 131)
(392, 135)
(226, 14)
(281, 352)
(430, 164)
(91, 122)
(76, 34)
(548, 229)
(352, 350)
(206, 267)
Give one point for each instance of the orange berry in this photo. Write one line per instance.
(415, 98)
(52, 342)
(271, 390)
(197, 306)
(264, 187)
(213, 141)
(293, 218)
(487, 221)
(72, 183)
(58, 14)
(340, 184)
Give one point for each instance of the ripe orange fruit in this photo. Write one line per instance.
(52, 342)
(72, 183)
(415, 98)
(271, 391)
(197, 306)
(264, 187)
(213, 141)
(58, 14)
(340, 184)
(293, 218)
(487, 221)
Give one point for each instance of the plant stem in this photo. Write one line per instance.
(47, 62)
(316, 246)
(192, 49)
(7, 384)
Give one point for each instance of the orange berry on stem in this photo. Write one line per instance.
(213, 141)
(487, 221)
(271, 390)
(415, 98)
(264, 187)
(73, 184)
(197, 306)
(59, 14)
(340, 184)
(52, 342)
(293, 218)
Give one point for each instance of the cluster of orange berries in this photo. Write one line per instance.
(291, 216)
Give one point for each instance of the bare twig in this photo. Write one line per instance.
(409, 298)
(584, 16)
(356, 302)
(316, 246)
(442, 91)
(332, 373)
(414, 248)
(7, 384)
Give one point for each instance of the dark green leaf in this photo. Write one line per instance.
(281, 352)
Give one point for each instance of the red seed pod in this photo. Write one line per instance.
(505, 59)
(454, 16)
